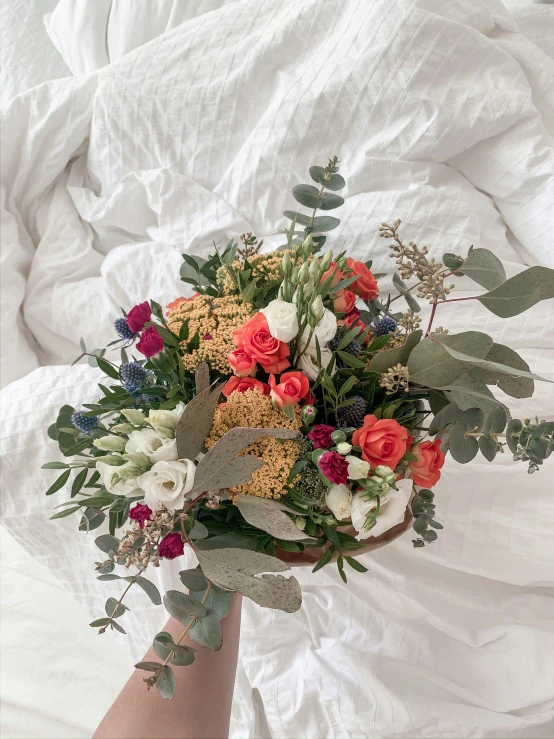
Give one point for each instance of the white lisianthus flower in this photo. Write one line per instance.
(339, 500)
(110, 443)
(317, 309)
(393, 509)
(114, 483)
(157, 448)
(165, 422)
(137, 418)
(282, 320)
(168, 483)
(325, 330)
(344, 448)
(308, 364)
(358, 469)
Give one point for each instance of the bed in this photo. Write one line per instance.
(135, 146)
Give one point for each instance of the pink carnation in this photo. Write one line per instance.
(151, 343)
(140, 513)
(171, 546)
(138, 316)
(320, 436)
(334, 466)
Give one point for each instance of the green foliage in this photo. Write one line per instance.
(423, 510)
(519, 293)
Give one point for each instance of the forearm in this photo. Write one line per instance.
(201, 706)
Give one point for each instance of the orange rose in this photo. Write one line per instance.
(338, 276)
(171, 306)
(344, 302)
(254, 339)
(366, 284)
(382, 441)
(241, 363)
(242, 385)
(293, 386)
(430, 459)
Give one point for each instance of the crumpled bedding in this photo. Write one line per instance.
(441, 115)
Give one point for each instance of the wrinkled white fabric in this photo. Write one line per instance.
(439, 112)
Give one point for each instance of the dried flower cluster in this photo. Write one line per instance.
(395, 379)
(265, 267)
(139, 546)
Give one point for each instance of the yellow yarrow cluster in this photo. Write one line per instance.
(215, 319)
(266, 268)
(253, 409)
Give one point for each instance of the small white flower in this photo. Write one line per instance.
(325, 330)
(165, 422)
(392, 511)
(156, 447)
(308, 364)
(137, 418)
(344, 448)
(317, 309)
(282, 320)
(358, 469)
(339, 500)
(110, 443)
(168, 483)
(113, 482)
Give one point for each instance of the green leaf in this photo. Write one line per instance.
(182, 606)
(519, 293)
(106, 543)
(444, 418)
(307, 195)
(92, 519)
(514, 427)
(196, 422)
(300, 218)
(234, 569)
(106, 578)
(403, 290)
(400, 355)
(355, 564)
(114, 609)
(220, 467)
(464, 448)
(335, 182)
(207, 631)
(148, 666)
(437, 363)
(469, 391)
(483, 267)
(296, 469)
(55, 466)
(269, 516)
(194, 580)
(350, 361)
(79, 481)
(166, 683)
(64, 513)
(163, 645)
(517, 387)
(325, 558)
(325, 223)
(149, 588)
(488, 447)
(60, 482)
(452, 261)
(330, 201)
(249, 292)
(100, 622)
(108, 369)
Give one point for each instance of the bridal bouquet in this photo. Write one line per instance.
(286, 406)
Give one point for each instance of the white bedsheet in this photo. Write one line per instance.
(441, 114)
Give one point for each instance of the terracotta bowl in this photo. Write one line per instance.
(309, 556)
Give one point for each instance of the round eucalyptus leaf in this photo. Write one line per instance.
(114, 609)
(316, 173)
(495, 422)
(538, 449)
(452, 261)
(193, 579)
(514, 427)
(325, 223)
(485, 268)
(521, 292)
(488, 447)
(331, 201)
(166, 683)
(444, 418)
(299, 218)
(207, 631)
(462, 448)
(307, 195)
(335, 182)
(182, 606)
(472, 420)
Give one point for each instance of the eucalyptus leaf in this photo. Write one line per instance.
(388, 358)
(444, 418)
(517, 387)
(182, 606)
(202, 377)
(198, 531)
(464, 448)
(194, 580)
(235, 472)
(485, 268)
(521, 292)
(325, 223)
(335, 182)
(150, 589)
(514, 427)
(114, 609)
(307, 195)
(166, 683)
(437, 363)
(488, 447)
(235, 569)
(403, 290)
(207, 631)
(230, 539)
(269, 516)
(469, 391)
(196, 422)
(331, 201)
(163, 645)
(107, 543)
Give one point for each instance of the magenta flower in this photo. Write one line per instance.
(171, 546)
(320, 436)
(140, 513)
(138, 316)
(151, 343)
(334, 466)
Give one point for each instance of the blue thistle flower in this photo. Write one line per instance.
(352, 416)
(123, 330)
(385, 325)
(134, 376)
(85, 424)
(150, 399)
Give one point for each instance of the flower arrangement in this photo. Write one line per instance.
(286, 407)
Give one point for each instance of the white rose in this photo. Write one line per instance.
(110, 443)
(308, 364)
(157, 448)
(282, 320)
(164, 422)
(358, 469)
(168, 483)
(114, 483)
(324, 331)
(393, 509)
(339, 499)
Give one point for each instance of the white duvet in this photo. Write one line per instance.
(441, 113)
